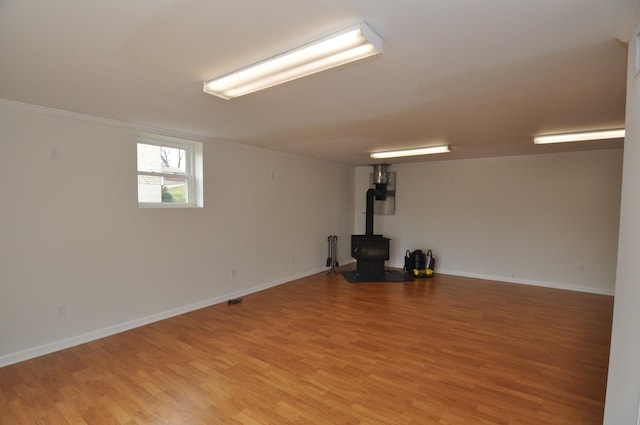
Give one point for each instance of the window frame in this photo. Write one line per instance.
(193, 170)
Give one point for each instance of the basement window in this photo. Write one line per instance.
(169, 173)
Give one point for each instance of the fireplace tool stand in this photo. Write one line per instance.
(332, 258)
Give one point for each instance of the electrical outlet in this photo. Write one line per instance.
(232, 273)
(292, 259)
(54, 153)
(61, 310)
(581, 268)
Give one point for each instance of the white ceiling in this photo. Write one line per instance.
(481, 75)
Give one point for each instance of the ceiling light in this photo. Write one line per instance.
(411, 152)
(346, 46)
(579, 137)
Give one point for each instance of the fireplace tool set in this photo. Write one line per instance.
(332, 258)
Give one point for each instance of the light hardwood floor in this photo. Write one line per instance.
(320, 350)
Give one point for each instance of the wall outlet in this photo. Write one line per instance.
(232, 273)
(61, 310)
(54, 153)
(292, 259)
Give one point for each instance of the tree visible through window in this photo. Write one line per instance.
(166, 174)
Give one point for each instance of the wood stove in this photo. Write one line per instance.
(370, 253)
(369, 250)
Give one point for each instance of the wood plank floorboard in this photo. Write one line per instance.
(320, 350)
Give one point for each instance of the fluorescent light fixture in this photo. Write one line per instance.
(410, 152)
(346, 46)
(579, 137)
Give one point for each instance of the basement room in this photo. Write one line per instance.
(319, 212)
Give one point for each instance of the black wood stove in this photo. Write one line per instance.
(369, 250)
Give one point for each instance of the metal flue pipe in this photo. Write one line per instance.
(379, 193)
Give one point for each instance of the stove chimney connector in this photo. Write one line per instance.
(380, 173)
(379, 193)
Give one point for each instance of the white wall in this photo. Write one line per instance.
(623, 389)
(71, 232)
(549, 219)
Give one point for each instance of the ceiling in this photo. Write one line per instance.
(482, 76)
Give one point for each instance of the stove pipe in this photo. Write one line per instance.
(380, 173)
(379, 193)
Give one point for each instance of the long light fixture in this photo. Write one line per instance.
(411, 152)
(341, 48)
(579, 137)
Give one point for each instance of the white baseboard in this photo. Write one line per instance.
(41, 350)
(568, 287)
(508, 279)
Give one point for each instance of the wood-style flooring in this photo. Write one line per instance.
(320, 350)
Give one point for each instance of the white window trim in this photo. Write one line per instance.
(193, 170)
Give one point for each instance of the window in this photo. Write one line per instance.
(169, 172)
